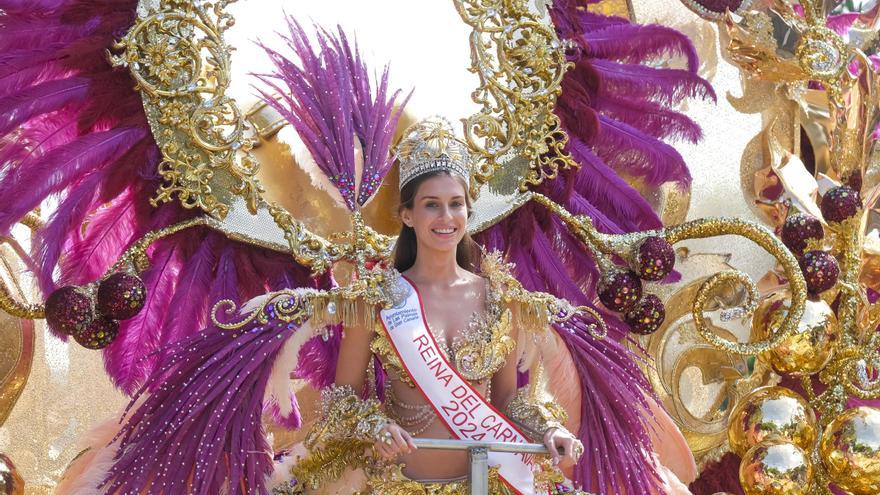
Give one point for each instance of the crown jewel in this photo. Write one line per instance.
(431, 145)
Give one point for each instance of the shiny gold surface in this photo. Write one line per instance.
(177, 55)
(11, 482)
(697, 383)
(811, 345)
(67, 394)
(850, 450)
(771, 413)
(619, 8)
(776, 469)
(16, 336)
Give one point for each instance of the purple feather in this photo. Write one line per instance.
(649, 117)
(668, 86)
(318, 358)
(328, 98)
(138, 337)
(609, 192)
(202, 427)
(61, 166)
(634, 43)
(630, 150)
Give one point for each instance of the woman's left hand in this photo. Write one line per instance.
(557, 439)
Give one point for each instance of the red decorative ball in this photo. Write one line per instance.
(646, 316)
(69, 309)
(840, 203)
(800, 228)
(121, 296)
(619, 290)
(99, 334)
(655, 258)
(820, 270)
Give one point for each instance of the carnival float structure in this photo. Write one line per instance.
(161, 225)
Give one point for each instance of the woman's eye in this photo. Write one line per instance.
(431, 205)
(457, 204)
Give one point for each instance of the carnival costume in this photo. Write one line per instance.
(199, 395)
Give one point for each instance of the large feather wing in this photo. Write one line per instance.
(74, 128)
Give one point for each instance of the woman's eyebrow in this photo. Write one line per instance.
(437, 197)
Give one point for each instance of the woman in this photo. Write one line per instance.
(450, 346)
(464, 316)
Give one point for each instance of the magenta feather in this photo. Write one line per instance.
(46, 97)
(635, 43)
(14, 6)
(61, 166)
(108, 233)
(189, 305)
(128, 359)
(70, 214)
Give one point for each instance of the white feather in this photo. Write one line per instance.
(279, 388)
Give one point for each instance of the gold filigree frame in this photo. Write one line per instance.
(520, 62)
(180, 62)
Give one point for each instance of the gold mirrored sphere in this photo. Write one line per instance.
(811, 346)
(776, 469)
(771, 413)
(850, 450)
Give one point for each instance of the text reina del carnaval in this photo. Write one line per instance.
(467, 412)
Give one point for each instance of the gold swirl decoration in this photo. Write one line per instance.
(177, 56)
(699, 384)
(520, 63)
(604, 246)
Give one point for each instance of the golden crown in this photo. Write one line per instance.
(431, 145)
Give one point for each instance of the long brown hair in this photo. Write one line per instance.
(406, 248)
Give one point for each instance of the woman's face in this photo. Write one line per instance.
(439, 213)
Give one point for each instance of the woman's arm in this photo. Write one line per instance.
(354, 357)
(390, 440)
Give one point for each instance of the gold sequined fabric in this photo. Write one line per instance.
(391, 481)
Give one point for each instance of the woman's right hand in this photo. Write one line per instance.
(393, 441)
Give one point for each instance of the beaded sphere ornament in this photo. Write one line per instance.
(69, 309)
(121, 296)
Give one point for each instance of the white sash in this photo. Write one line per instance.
(464, 412)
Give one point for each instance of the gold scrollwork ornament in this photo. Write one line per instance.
(180, 62)
(520, 62)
